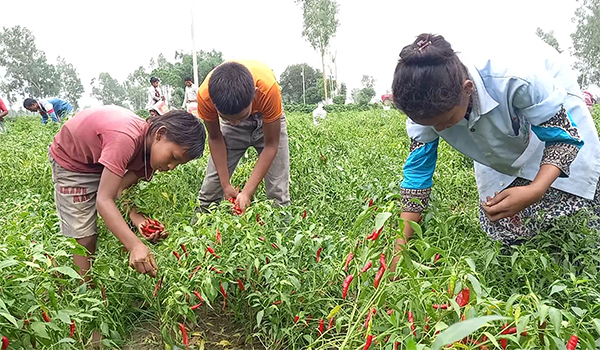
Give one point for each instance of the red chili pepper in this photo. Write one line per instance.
(367, 266)
(157, 287)
(371, 313)
(426, 324)
(411, 321)
(440, 306)
(296, 318)
(436, 257)
(319, 254)
(261, 238)
(194, 272)
(396, 345)
(378, 276)
(373, 236)
(572, 343)
(321, 326)
(45, 316)
(304, 214)
(223, 291)
(503, 343)
(194, 307)
(348, 260)
(382, 261)
(212, 251)
(72, 329)
(198, 295)
(278, 302)
(212, 268)
(463, 317)
(331, 323)
(218, 237)
(186, 341)
(176, 255)
(463, 297)
(368, 342)
(184, 250)
(371, 202)
(345, 286)
(5, 342)
(390, 312)
(241, 284)
(274, 245)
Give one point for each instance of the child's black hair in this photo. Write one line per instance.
(429, 77)
(28, 102)
(183, 129)
(188, 79)
(153, 80)
(231, 88)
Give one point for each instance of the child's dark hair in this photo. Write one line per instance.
(231, 88)
(428, 79)
(153, 80)
(188, 79)
(183, 129)
(28, 102)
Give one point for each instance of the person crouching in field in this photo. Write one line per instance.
(104, 150)
(55, 108)
(245, 96)
(524, 123)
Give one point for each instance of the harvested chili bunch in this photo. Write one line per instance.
(236, 207)
(151, 226)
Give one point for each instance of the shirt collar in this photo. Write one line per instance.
(482, 101)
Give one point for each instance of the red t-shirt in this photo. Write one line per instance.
(2, 106)
(107, 136)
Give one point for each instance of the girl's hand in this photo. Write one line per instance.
(510, 201)
(141, 259)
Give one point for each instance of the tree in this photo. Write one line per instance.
(548, 38)
(320, 25)
(586, 42)
(108, 90)
(340, 98)
(28, 72)
(71, 88)
(136, 86)
(291, 82)
(365, 95)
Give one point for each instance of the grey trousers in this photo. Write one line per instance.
(237, 140)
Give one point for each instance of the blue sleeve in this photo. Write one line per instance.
(559, 129)
(420, 165)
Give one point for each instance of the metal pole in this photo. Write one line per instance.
(303, 86)
(194, 58)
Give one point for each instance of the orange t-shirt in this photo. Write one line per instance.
(267, 100)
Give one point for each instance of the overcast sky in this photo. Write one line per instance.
(117, 36)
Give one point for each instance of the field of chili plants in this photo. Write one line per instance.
(313, 275)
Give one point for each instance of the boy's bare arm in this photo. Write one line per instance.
(271, 132)
(218, 152)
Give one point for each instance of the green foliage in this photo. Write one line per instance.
(548, 38)
(291, 84)
(28, 72)
(547, 287)
(340, 99)
(108, 90)
(365, 95)
(586, 42)
(320, 25)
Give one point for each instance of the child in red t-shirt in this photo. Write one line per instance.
(100, 152)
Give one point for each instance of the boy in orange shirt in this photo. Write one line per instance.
(247, 98)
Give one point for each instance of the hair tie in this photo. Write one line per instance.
(422, 44)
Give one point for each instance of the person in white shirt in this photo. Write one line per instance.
(190, 96)
(523, 121)
(154, 93)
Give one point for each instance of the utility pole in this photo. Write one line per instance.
(303, 86)
(194, 58)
